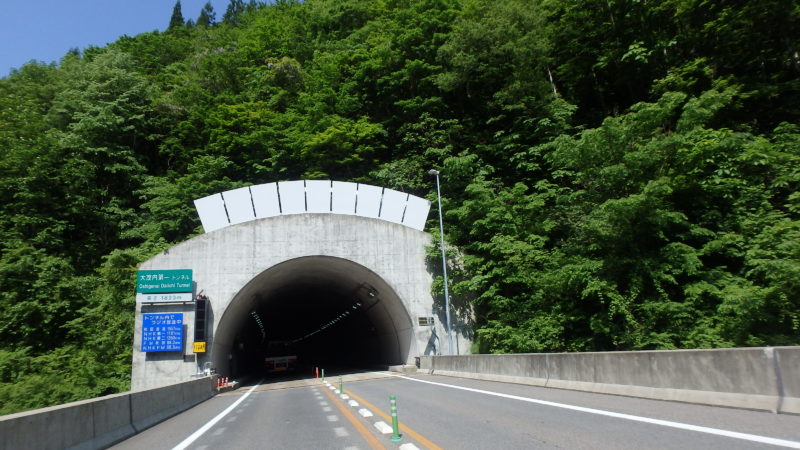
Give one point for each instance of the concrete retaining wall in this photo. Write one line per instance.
(763, 378)
(100, 422)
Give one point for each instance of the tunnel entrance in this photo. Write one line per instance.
(327, 311)
(344, 289)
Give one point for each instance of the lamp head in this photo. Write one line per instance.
(433, 172)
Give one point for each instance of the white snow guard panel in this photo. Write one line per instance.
(306, 196)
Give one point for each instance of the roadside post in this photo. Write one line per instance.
(396, 436)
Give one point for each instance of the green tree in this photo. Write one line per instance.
(207, 16)
(233, 12)
(176, 19)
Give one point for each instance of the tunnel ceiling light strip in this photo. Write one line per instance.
(334, 321)
(260, 325)
(313, 196)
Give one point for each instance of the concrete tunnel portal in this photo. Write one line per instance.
(327, 311)
(335, 273)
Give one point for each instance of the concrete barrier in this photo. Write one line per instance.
(100, 422)
(787, 361)
(762, 378)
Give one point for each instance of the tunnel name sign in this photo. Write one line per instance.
(164, 286)
(162, 332)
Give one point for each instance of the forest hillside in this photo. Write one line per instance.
(616, 174)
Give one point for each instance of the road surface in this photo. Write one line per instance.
(454, 413)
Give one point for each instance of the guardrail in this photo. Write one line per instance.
(103, 421)
(762, 378)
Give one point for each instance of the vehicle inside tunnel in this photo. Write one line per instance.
(325, 311)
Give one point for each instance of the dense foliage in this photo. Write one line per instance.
(616, 175)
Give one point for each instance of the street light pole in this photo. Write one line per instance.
(444, 262)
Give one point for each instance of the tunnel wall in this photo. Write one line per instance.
(225, 261)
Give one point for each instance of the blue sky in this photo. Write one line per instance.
(44, 30)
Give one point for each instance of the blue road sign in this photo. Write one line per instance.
(162, 332)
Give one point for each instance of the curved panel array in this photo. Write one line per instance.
(311, 196)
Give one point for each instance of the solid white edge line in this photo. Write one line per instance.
(193, 437)
(665, 423)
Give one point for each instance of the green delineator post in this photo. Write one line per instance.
(396, 436)
(340, 385)
(323, 375)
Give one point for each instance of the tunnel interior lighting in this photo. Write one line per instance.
(260, 324)
(329, 324)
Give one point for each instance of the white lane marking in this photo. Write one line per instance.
(341, 432)
(365, 412)
(333, 418)
(409, 446)
(353, 403)
(383, 427)
(665, 423)
(344, 396)
(326, 409)
(323, 403)
(188, 441)
(351, 448)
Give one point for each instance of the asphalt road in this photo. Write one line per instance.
(454, 413)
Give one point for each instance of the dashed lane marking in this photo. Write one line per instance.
(383, 427)
(368, 437)
(404, 429)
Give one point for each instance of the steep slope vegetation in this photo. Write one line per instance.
(616, 175)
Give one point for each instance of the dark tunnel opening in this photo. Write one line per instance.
(328, 312)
